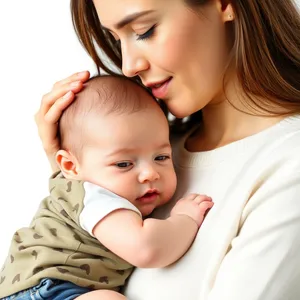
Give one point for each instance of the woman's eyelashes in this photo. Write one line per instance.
(140, 37)
(148, 34)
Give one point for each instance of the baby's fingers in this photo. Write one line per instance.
(201, 198)
(190, 197)
(205, 206)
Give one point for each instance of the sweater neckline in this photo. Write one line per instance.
(187, 159)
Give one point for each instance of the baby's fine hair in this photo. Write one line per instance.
(101, 95)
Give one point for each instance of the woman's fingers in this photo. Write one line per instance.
(80, 76)
(59, 93)
(72, 83)
(52, 106)
(55, 111)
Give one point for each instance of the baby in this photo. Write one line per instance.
(116, 168)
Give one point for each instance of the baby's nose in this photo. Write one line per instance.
(148, 174)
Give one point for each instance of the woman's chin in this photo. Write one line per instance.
(181, 107)
(181, 112)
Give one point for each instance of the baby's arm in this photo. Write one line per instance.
(153, 243)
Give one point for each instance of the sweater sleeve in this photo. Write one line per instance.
(263, 262)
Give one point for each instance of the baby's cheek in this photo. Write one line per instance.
(170, 184)
(116, 185)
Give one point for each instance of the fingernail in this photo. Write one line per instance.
(75, 84)
(81, 74)
(67, 95)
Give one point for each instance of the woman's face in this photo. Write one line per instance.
(178, 52)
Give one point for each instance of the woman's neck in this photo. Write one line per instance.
(224, 123)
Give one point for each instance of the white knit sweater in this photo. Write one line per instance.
(248, 247)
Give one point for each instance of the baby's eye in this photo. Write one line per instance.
(162, 157)
(123, 164)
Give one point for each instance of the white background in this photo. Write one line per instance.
(37, 48)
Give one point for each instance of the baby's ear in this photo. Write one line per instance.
(67, 163)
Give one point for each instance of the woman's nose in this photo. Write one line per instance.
(133, 61)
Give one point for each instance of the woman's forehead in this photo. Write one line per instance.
(115, 12)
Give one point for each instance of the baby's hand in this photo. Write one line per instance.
(194, 205)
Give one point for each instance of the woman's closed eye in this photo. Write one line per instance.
(148, 34)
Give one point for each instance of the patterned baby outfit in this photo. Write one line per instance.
(59, 242)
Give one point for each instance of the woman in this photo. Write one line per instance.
(236, 61)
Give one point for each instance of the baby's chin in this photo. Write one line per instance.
(147, 210)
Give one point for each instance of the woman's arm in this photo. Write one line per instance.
(52, 106)
(264, 260)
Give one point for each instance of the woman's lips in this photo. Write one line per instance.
(160, 91)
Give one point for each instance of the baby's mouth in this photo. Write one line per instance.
(149, 196)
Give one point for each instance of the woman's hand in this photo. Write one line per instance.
(51, 109)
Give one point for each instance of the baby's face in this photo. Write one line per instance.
(130, 155)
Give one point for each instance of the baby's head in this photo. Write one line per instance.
(115, 135)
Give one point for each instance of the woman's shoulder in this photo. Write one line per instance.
(281, 142)
(285, 138)
(278, 146)
(276, 161)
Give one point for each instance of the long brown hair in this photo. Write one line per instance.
(265, 51)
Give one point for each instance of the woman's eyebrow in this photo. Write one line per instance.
(130, 18)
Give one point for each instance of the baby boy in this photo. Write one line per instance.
(93, 228)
